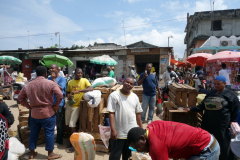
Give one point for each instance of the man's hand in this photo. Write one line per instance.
(186, 109)
(74, 92)
(113, 134)
(55, 108)
(53, 75)
(69, 96)
(145, 75)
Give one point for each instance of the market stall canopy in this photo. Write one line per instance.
(199, 58)
(9, 60)
(61, 61)
(224, 56)
(176, 63)
(104, 59)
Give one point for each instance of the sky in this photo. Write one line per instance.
(33, 23)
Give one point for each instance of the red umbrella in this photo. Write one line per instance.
(225, 56)
(199, 58)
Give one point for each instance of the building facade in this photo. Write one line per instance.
(218, 23)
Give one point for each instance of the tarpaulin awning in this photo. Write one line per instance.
(176, 63)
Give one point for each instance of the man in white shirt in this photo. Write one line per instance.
(124, 113)
(199, 86)
(133, 74)
(60, 73)
(166, 75)
(225, 73)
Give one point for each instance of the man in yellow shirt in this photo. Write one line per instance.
(75, 90)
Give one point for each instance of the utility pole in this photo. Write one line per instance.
(28, 40)
(124, 32)
(187, 33)
(58, 33)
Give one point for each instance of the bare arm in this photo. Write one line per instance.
(111, 121)
(139, 121)
(140, 82)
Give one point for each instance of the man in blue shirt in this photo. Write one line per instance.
(61, 81)
(149, 81)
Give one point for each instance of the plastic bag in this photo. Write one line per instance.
(140, 156)
(159, 107)
(105, 133)
(20, 77)
(93, 98)
(105, 81)
(84, 145)
(16, 149)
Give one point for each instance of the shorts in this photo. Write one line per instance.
(71, 115)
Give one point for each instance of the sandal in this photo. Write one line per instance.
(55, 157)
(70, 150)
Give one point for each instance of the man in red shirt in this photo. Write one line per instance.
(167, 139)
(40, 94)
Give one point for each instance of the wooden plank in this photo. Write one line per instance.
(89, 118)
(178, 97)
(190, 88)
(80, 116)
(84, 116)
(23, 111)
(23, 123)
(104, 110)
(101, 116)
(192, 99)
(172, 96)
(96, 119)
(184, 99)
(114, 88)
(23, 118)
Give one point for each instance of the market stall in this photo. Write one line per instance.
(6, 79)
(213, 66)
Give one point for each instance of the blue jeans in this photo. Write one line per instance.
(60, 124)
(48, 125)
(148, 101)
(210, 155)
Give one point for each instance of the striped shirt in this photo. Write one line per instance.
(40, 94)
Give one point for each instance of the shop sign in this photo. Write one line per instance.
(38, 55)
(140, 50)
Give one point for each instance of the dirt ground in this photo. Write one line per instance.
(42, 154)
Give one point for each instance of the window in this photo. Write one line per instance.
(216, 25)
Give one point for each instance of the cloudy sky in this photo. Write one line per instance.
(84, 22)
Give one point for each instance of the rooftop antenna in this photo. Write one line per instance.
(88, 40)
(124, 32)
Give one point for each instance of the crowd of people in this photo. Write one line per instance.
(162, 139)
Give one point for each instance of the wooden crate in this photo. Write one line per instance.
(90, 118)
(105, 93)
(183, 95)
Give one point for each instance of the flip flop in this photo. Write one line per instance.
(55, 157)
(35, 154)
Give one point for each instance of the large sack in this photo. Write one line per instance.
(84, 145)
(93, 98)
(16, 149)
(105, 81)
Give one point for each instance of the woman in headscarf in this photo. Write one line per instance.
(221, 107)
(4, 138)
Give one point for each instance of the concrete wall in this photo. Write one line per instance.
(203, 27)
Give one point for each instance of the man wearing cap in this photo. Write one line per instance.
(220, 107)
(166, 75)
(6, 112)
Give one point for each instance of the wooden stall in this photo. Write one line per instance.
(182, 96)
